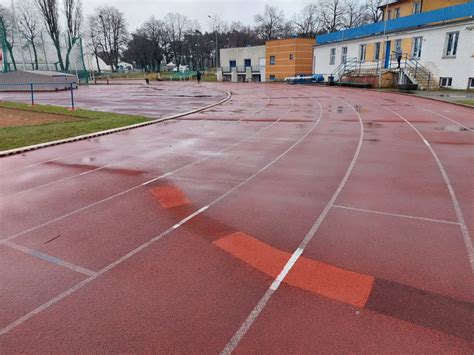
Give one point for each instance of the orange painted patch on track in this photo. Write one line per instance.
(169, 196)
(310, 275)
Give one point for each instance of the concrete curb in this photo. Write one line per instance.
(428, 98)
(6, 153)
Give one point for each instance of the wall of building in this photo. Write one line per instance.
(406, 6)
(239, 54)
(460, 68)
(292, 56)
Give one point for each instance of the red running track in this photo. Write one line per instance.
(289, 219)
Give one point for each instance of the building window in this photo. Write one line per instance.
(232, 63)
(344, 55)
(397, 12)
(272, 77)
(247, 63)
(272, 60)
(445, 82)
(377, 51)
(471, 83)
(332, 56)
(291, 56)
(389, 14)
(416, 8)
(451, 46)
(416, 47)
(362, 50)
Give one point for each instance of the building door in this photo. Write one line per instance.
(387, 54)
(261, 65)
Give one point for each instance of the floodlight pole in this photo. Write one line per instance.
(217, 47)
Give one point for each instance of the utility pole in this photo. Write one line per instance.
(217, 47)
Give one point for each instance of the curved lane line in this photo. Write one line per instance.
(143, 246)
(154, 179)
(103, 166)
(457, 207)
(252, 317)
(9, 152)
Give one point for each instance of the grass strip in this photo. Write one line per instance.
(87, 122)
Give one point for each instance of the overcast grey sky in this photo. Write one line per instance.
(138, 11)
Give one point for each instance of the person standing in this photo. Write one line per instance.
(198, 76)
(398, 54)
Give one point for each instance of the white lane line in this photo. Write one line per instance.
(395, 214)
(73, 176)
(201, 160)
(7, 172)
(48, 258)
(449, 119)
(286, 269)
(252, 317)
(457, 207)
(108, 165)
(143, 246)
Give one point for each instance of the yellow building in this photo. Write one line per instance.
(288, 57)
(402, 8)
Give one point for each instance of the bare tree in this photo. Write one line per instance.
(30, 26)
(270, 24)
(331, 14)
(73, 13)
(93, 43)
(6, 31)
(50, 13)
(355, 14)
(176, 26)
(154, 32)
(307, 22)
(373, 10)
(111, 33)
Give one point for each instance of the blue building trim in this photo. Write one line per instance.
(402, 23)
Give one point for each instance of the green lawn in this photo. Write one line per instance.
(86, 122)
(467, 102)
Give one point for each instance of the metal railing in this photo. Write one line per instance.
(32, 89)
(416, 72)
(346, 66)
(241, 68)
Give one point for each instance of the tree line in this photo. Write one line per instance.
(173, 38)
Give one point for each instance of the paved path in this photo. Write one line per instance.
(291, 219)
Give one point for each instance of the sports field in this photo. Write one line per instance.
(288, 219)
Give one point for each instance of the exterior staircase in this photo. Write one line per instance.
(410, 71)
(416, 73)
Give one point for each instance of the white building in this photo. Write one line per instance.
(242, 64)
(433, 52)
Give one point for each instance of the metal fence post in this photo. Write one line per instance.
(73, 107)
(32, 95)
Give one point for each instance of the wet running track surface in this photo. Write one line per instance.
(291, 219)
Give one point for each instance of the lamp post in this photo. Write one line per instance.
(217, 47)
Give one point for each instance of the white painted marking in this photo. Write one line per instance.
(454, 200)
(395, 215)
(157, 178)
(71, 290)
(48, 258)
(449, 119)
(252, 317)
